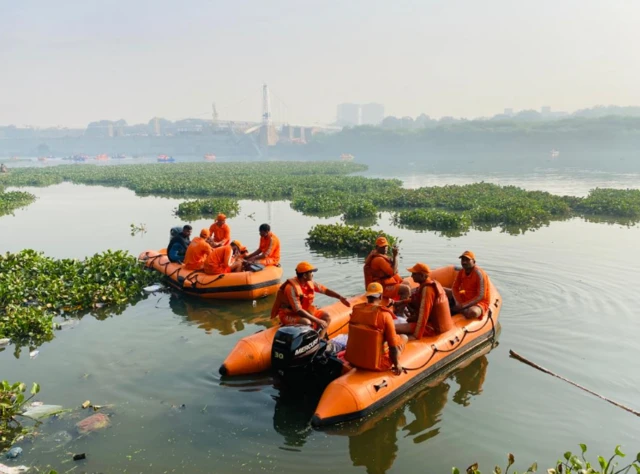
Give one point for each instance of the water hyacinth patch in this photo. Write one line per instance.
(208, 208)
(346, 238)
(10, 201)
(34, 288)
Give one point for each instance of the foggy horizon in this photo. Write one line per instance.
(70, 64)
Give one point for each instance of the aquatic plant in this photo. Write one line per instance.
(570, 463)
(433, 219)
(360, 208)
(208, 208)
(612, 202)
(34, 288)
(12, 403)
(346, 238)
(10, 201)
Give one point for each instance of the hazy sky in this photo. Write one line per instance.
(70, 62)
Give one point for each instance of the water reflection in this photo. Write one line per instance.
(373, 443)
(226, 317)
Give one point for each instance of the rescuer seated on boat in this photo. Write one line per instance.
(294, 300)
(178, 244)
(197, 251)
(470, 290)
(380, 268)
(428, 307)
(224, 259)
(220, 232)
(268, 252)
(373, 343)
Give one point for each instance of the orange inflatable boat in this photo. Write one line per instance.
(359, 392)
(226, 286)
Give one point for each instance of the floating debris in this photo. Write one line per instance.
(153, 288)
(93, 423)
(13, 453)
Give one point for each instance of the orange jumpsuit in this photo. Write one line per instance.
(219, 261)
(196, 254)
(381, 271)
(221, 233)
(270, 248)
(472, 289)
(299, 296)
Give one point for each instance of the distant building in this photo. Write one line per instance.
(372, 114)
(508, 112)
(348, 114)
(545, 111)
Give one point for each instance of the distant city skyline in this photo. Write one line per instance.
(73, 62)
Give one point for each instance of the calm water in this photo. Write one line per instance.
(569, 293)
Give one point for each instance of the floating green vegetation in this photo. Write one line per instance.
(345, 238)
(326, 204)
(360, 209)
(12, 404)
(433, 219)
(612, 202)
(323, 189)
(571, 463)
(35, 288)
(10, 201)
(208, 208)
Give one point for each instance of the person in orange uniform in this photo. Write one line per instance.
(378, 267)
(224, 259)
(294, 300)
(220, 232)
(373, 343)
(470, 290)
(429, 312)
(268, 252)
(197, 252)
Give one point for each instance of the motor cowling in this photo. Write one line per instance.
(294, 347)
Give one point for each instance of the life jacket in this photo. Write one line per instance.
(282, 302)
(371, 275)
(440, 315)
(365, 347)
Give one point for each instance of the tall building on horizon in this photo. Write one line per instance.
(372, 114)
(348, 114)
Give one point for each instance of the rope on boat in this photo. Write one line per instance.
(547, 371)
(435, 350)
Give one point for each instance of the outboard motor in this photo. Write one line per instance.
(299, 355)
(294, 347)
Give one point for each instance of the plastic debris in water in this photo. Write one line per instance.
(13, 453)
(86, 404)
(34, 354)
(13, 469)
(255, 303)
(152, 288)
(77, 457)
(4, 341)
